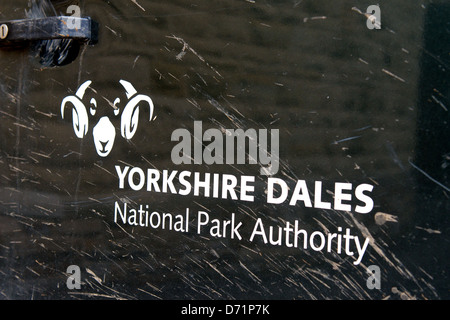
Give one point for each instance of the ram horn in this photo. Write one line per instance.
(130, 115)
(79, 114)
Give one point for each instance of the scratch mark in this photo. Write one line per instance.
(151, 294)
(296, 4)
(429, 177)
(97, 165)
(394, 155)
(367, 15)
(428, 230)
(251, 273)
(393, 75)
(314, 18)
(186, 46)
(113, 31)
(216, 270)
(381, 218)
(96, 278)
(403, 295)
(140, 7)
(439, 102)
(99, 295)
(363, 128)
(346, 139)
(363, 61)
(135, 60)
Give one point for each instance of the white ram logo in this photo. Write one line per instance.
(104, 132)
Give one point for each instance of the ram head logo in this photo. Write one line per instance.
(104, 132)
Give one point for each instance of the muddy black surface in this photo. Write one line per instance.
(352, 105)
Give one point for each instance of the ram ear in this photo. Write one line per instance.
(79, 115)
(82, 89)
(130, 115)
(129, 89)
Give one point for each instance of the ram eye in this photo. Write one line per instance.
(93, 107)
(116, 108)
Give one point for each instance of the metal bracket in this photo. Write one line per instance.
(14, 32)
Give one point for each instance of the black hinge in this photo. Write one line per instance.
(61, 27)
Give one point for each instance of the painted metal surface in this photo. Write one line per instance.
(116, 162)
